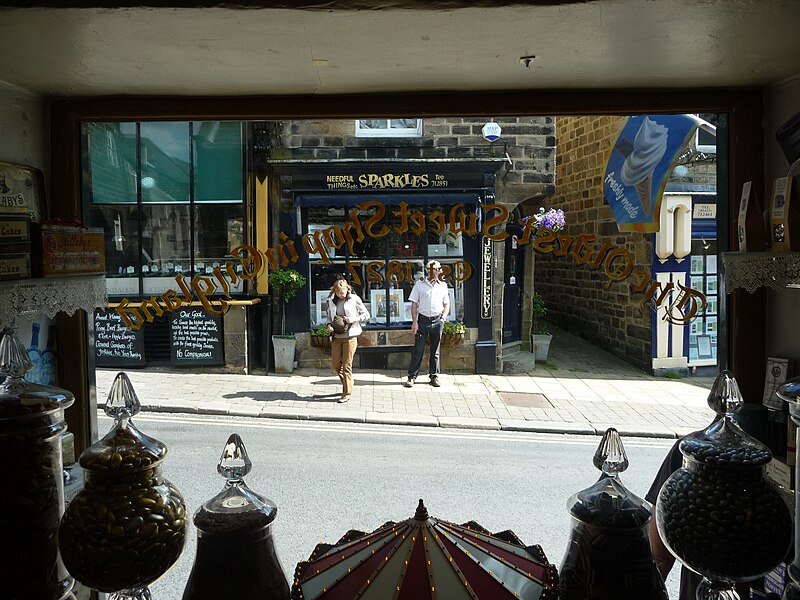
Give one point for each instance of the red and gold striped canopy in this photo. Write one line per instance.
(426, 559)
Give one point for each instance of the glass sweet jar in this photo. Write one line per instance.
(32, 498)
(127, 526)
(608, 556)
(718, 514)
(234, 529)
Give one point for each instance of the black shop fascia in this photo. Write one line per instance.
(377, 223)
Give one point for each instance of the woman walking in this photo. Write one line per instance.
(346, 313)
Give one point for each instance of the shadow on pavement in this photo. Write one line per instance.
(283, 395)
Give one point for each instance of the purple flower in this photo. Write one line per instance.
(553, 219)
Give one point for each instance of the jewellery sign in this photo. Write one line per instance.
(486, 279)
(639, 164)
(616, 263)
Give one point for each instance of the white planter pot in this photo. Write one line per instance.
(284, 353)
(541, 343)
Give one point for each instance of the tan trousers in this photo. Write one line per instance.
(342, 352)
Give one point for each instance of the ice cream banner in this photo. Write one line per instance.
(639, 164)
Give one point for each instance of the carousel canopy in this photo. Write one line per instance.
(426, 558)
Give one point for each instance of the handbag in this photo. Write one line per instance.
(339, 324)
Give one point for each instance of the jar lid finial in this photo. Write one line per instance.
(122, 402)
(725, 397)
(14, 359)
(610, 457)
(234, 463)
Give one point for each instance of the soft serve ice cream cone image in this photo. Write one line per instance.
(649, 147)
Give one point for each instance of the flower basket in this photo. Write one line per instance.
(453, 333)
(451, 339)
(321, 338)
(321, 342)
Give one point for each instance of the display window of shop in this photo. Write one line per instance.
(169, 196)
(383, 269)
(703, 330)
(388, 127)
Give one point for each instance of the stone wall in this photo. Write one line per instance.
(579, 299)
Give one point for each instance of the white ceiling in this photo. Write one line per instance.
(215, 51)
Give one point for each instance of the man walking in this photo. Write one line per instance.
(430, 305)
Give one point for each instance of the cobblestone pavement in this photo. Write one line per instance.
(581, 389)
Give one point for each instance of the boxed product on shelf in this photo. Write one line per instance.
(72, 250)
(15, 247)
(21, 190)
(15, 262)
(14, 229)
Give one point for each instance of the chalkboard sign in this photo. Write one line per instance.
(196, 337)
(115, 345)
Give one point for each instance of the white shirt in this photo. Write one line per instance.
(431, 298)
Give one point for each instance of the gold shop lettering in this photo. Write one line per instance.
(684, 306)
(250, 263)
(393, 180)
(367, 220)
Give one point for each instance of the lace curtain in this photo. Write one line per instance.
(48, 296)
(752, 270)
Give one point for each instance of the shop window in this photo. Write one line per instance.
(388, 127)
(703, 277)
(169, 197)
(109, 173)
(164, 149)
(383, 271)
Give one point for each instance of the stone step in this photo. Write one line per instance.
(518, 362)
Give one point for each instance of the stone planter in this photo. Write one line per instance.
(540, 344)
(284, 353)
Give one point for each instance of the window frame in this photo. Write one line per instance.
(387, 132)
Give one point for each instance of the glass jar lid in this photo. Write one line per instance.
(124, 448)
(608, 503)
(20, 399)
(723, 442)
(236, 509)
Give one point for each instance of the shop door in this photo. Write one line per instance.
(513, 278)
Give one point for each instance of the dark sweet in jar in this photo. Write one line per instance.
(123, 531)
(30, 512)
(607, 564)
(717, 454)
(724, 522)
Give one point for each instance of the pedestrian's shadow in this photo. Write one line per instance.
(276, 396)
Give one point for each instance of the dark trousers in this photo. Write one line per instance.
(428, 328)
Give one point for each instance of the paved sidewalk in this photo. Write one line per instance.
(581, 389)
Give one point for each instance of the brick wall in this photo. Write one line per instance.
(576, 296)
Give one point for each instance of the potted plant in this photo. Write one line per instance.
(540, 335)
(284, 285)
(453, 333)
(321, 337)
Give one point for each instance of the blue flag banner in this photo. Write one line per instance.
(639, 165)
